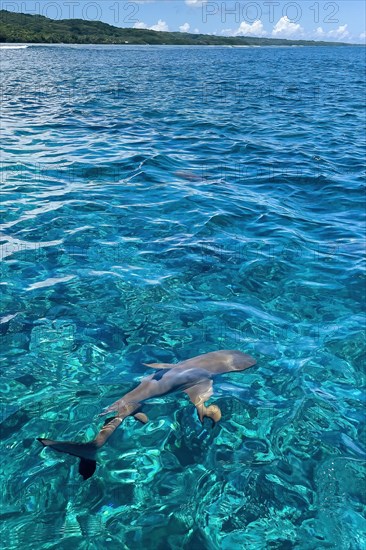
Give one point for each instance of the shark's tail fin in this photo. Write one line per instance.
(85, 451)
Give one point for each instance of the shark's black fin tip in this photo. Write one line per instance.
(87, 467)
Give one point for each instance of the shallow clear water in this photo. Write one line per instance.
(160, 203)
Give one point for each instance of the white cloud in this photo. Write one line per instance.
(195, 3)
(160, 26)
(335, 34)
(140, 25)
(254, 29)
(284, 28)
(196, 31)
(339, 33)
(319, 32)
(363, 36)
(185, 27)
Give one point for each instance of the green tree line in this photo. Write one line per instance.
(25, 28)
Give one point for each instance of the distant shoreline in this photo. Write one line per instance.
(21, 28)
(23, 45)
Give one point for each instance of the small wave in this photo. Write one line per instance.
(229, 219)
(13, 47)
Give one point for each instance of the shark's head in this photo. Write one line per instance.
(224, 360)
(241, 361)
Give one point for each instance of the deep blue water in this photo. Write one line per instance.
(163, 202)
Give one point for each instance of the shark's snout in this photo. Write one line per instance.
(243, 361)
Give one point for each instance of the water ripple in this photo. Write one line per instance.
(165, 203)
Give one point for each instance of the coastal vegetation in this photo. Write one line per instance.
(25, 28)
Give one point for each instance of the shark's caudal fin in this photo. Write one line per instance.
(87, 467)
(85, 451)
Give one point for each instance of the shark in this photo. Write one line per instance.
(193, 376)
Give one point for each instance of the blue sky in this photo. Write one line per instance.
(342, 20)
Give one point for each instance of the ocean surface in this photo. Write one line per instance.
(159, 203)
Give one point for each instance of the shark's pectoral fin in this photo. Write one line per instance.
(213, 412)
(159, 365)
(141, 417)
(198, 394)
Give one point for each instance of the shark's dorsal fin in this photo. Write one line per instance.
(159, 365)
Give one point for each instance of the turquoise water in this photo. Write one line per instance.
(159, 203)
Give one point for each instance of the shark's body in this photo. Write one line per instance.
(193, 376)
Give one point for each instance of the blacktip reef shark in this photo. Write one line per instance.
(193, 376)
